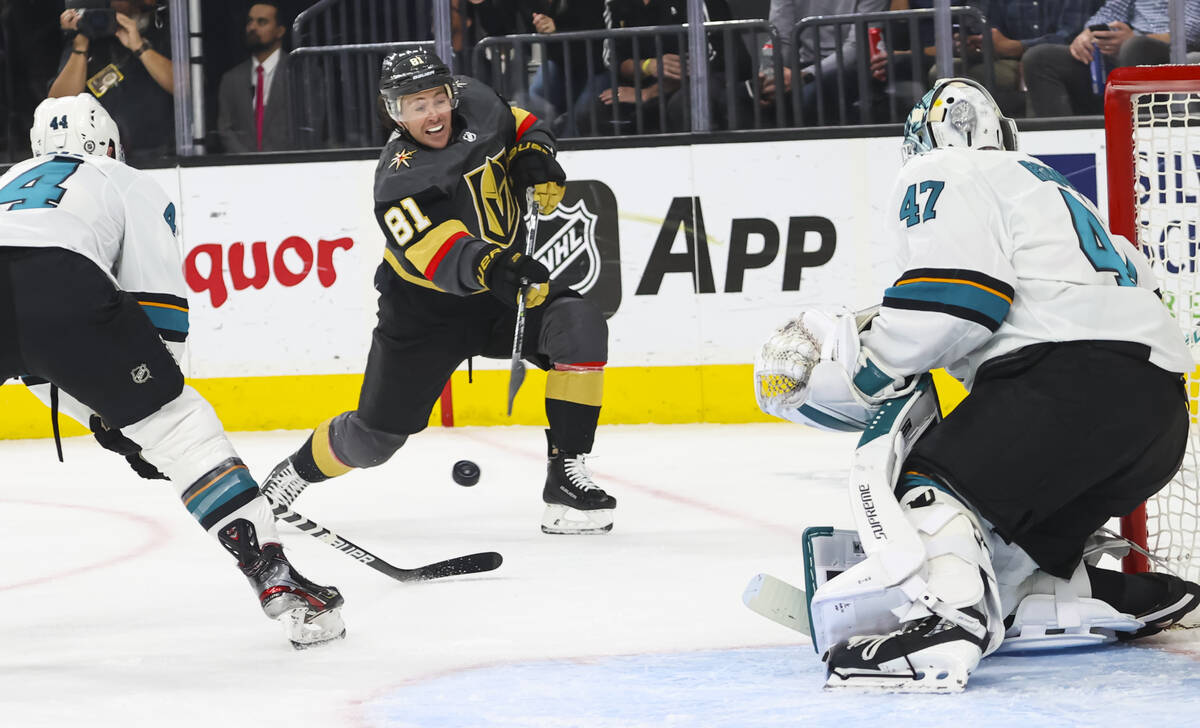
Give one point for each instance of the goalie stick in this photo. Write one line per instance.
(779, 602)
(459, 565)
(516, 371)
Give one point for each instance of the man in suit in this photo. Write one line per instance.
(253, 109)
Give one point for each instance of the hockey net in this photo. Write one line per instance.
(1152, 129)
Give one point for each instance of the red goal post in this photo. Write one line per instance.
(1152, 130)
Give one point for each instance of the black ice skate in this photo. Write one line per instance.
(574, 503)
(926, 655)
(1181, 597)
(310, 612)
(283, 486)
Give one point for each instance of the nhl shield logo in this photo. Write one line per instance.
(140, 374)
(570, 251)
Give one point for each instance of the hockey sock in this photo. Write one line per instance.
(315, 461)
(573, 397)
(1128, 593)
(220, 492)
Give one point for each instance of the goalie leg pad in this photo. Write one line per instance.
(1044, 612)
(951, 618)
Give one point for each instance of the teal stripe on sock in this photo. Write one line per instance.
(230, 486)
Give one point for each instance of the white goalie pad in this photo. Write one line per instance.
(920, 558)
(1053, 613)
(813, 371)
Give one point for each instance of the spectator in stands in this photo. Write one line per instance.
(562, 82)
(1017, 26)
(817, 54)
(661, 80)
(254, 111)
(126, 64)
(1059, 77)
(29, 62)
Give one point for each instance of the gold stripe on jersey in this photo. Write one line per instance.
(522, 121)
(576, 386)
(322, 451)
(959, 281)
(400, 270)
(427, 253)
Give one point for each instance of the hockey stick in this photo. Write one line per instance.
(516, 371)
(779, 602)
(470, 564)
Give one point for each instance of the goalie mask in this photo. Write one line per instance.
(957, 112)
(75, 125)
(410, 72)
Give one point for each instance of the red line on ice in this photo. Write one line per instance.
(157, 535)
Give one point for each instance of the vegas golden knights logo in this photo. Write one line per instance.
(494, 201)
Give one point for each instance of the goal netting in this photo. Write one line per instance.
(1152, 128)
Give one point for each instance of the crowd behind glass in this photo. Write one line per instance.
(283, 75)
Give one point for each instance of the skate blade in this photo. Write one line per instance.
(306, 630)
(562, 520)
(897, 683)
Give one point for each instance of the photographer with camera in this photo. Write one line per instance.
(120, 52)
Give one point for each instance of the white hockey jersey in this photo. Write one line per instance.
(999, 251)
(117, 217)
(113, 214)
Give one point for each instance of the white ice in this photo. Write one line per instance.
(119, 611)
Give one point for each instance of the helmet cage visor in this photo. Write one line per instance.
(393, 101)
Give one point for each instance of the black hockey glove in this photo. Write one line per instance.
(532, 164)
(504, 271)
(113, 440)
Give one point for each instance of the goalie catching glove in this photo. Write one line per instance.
(813, 370)
(504, 271)
(532, 164)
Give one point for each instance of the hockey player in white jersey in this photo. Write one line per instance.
(92, 302)
(1077, 413)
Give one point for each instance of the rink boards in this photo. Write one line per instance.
(695, 252)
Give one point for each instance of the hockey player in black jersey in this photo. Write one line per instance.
(449, 191)
(93, 302)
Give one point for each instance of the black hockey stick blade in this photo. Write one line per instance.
(457, 566)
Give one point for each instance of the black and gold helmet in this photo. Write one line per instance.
(410, 72)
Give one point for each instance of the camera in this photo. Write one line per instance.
(98, 23)
(96, 18)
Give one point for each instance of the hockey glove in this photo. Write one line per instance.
(504, 271)
(113, 440)
(532, 164)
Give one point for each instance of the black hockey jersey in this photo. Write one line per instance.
(438, 208)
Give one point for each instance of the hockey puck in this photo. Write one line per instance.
(466, 473)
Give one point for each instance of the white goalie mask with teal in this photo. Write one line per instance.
(957, 112)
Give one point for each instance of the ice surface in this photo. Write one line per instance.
(120, 611)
